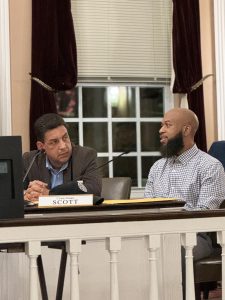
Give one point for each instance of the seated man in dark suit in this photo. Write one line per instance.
(187, 173)
(60, 167)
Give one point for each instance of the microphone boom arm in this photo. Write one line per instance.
(106, 163)
(31, 164)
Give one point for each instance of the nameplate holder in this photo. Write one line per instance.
(65, 200)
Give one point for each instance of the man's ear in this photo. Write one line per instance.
(186, 130)
(40, 145)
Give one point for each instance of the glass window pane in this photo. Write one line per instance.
(67, 103)
(146, 163)
(150, 136)
(126, 166)
(73, 132)
(94, 102)
(96, 135)
(151, 102)
(124, 136)
(122, 100)
(104, 170)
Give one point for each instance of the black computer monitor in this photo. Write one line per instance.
(11, 187)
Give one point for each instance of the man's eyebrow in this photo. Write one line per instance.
(52, 139)
(58, 138)
(166, 122)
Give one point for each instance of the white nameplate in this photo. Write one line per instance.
(65, 200)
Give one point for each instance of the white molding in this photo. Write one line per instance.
(5, 85)
(219, 24)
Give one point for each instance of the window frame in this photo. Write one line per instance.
(167, 104)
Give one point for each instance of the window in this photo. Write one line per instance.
(124, 70)
(114, 119)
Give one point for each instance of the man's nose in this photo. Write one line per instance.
(62, 144)
(161, 130)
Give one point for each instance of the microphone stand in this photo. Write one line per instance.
(106, 163)
(31, 164)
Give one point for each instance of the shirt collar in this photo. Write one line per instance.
(187, 155)
(50, 167)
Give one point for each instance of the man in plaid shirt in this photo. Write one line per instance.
(186, 173)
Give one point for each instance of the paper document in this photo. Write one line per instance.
(137, 200)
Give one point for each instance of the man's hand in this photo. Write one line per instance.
(35, 189)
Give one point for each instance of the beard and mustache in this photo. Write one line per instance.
(173, 146)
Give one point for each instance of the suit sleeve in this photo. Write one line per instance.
(89, 174)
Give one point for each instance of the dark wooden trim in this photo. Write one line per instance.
(107, 216)
(104, 207)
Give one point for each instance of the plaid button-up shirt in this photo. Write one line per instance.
(194, 176)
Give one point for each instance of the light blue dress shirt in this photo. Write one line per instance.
(57, 175)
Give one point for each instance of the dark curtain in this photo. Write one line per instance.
(187, 60)
(54, 62)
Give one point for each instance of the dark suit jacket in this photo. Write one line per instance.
(82, 166)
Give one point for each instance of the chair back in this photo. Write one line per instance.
(116, 188)
(217, 150)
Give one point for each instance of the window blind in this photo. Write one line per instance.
(123, 39)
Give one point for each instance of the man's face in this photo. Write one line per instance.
(171, 136)
(57, 146)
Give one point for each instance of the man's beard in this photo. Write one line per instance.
(173, 146)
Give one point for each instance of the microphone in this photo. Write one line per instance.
(106, 163)
(101, 166)
(73, 187)
(31, 164)
(109, 161)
